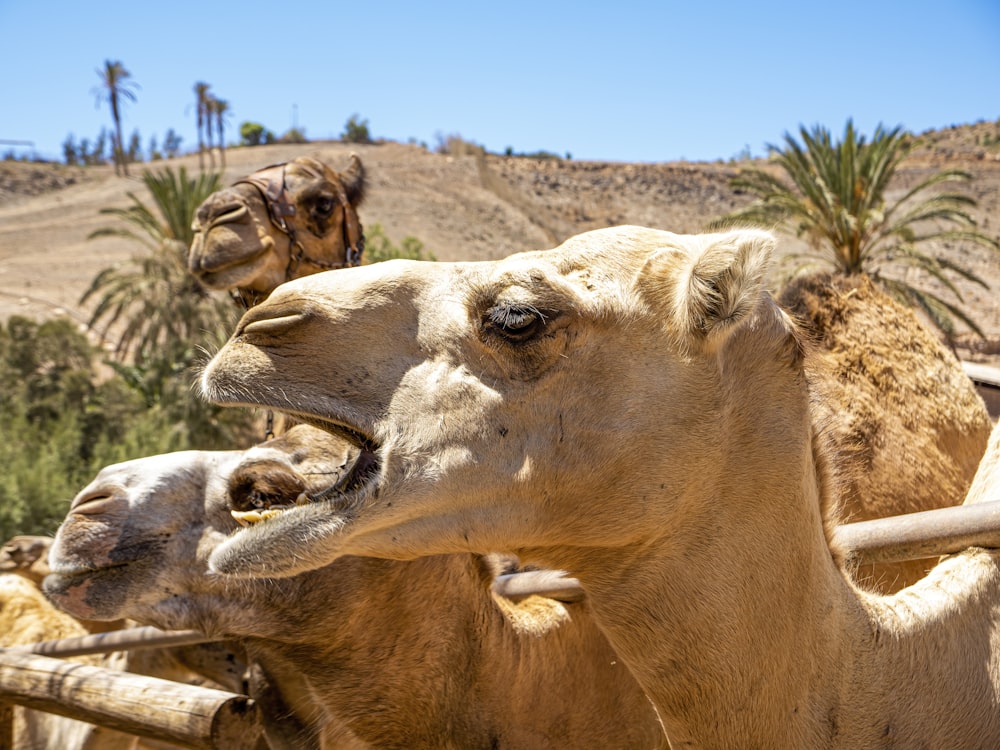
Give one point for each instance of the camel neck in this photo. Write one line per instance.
(735, 579)
(739, 631)
(765, 643)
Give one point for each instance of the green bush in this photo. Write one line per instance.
(255, 134)
(63, 418)
(379, 247)
(356, 130)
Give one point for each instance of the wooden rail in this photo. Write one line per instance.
(987, 382)
(127, 639)
(915, 536)
(189, 716)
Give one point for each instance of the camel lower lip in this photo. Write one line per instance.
(217, 265)
(66, 577)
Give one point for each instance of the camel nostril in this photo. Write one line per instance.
(271, 326)
(93, 502)
(224, 213)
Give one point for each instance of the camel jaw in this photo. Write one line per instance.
(360, 479)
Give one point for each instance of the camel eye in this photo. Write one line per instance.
(516, 323)
(324, 205)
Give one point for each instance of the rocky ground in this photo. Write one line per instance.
(466, 207)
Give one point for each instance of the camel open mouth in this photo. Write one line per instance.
(356, 482)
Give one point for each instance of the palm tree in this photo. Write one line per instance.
(116, 87)
(837, 201)
(157, 307)
(220, 107)
(202, 98)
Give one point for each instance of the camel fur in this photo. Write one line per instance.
(631, 407)
(365, 653)
(904, 424)
(237, 242)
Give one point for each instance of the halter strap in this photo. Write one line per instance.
(270, 182)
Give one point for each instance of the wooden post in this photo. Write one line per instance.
(193, 717)
(6, 725)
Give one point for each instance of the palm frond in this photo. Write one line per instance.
(152, 303)
(835, 198)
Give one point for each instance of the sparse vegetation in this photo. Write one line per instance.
(356, 130)
(454, 145)
(379, 247)
(293, 135)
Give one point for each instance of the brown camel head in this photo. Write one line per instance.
(281, 222)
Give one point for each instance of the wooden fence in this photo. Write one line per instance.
(186, 715)
(987, 382)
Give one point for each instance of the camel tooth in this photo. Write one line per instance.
(302, 499)
(246, 517)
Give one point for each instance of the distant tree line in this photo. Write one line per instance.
(117, 87)
(97, 151)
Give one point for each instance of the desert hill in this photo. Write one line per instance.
(463, 207)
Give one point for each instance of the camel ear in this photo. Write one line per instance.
(353, 179)
(715, 282)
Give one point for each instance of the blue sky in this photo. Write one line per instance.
(619, 81)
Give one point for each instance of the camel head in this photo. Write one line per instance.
(491, 402)
(282, 222)
(136, 540)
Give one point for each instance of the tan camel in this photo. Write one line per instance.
(281, 222)
(365, 653)
(904, 423)
(27, 556)
(630, 407)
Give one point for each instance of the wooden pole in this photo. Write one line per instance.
(915, 536)
(190, 716)
(127, 639)
(555, 584)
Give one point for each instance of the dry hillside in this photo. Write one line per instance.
(462, 207)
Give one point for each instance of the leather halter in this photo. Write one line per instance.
(270, 182)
